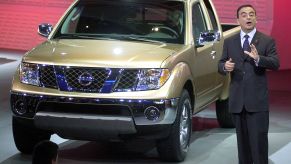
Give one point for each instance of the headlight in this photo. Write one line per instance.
(29, 74)
(152, 79)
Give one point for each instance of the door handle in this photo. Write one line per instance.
(213, 54)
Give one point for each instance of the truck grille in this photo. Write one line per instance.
(98, 78)
(127, 80)
(83, 79)
(47, 76)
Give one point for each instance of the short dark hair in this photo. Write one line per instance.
(44, 152)
(242, 6)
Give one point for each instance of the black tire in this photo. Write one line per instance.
(224, 118)
(175, 147)
(26, 137)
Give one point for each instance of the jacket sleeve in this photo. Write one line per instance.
(270, 60)
(224, 58)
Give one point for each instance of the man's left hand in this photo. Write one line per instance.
(254, 53)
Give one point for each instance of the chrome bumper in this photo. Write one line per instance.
(84, 127)
(49, 108)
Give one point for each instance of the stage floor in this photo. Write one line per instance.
(209, 143)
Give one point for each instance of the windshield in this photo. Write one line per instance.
(157, 21)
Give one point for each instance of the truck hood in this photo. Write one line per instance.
(101, 53)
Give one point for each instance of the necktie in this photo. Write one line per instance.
(246, 45)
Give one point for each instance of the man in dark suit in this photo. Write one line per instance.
(246, 56)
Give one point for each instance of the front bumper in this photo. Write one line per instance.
(93, 118)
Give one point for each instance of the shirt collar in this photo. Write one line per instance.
(250, 34)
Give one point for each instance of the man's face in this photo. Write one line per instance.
(247, 19)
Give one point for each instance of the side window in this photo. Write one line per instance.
(198, 21)
(211, 15)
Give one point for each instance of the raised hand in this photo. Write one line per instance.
(254, 53)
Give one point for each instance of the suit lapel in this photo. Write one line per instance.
(237, 43)
(256, 38)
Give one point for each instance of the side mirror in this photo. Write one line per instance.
(208, 37)
(45, 29)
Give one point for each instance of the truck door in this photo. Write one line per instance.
(204, 65)
(218, 45)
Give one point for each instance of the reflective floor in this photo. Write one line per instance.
(209, 143)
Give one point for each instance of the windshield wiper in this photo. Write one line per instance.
(141, 39)
(75, 36)
(108, 37)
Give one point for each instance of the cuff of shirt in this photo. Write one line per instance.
(257, 62)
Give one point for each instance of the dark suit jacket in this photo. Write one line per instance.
(248, 86)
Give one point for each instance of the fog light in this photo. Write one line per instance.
(152, 113)
(20, 107)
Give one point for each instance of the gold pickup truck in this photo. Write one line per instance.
(117, 70)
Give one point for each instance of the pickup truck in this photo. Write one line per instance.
(116, 70)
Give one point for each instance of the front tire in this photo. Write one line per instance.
(224, 118)
(175, 147)
(26, 136)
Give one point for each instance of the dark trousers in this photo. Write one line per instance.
(252, 136)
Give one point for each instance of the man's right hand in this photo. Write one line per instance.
(229, 65)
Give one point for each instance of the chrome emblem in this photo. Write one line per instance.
(85, 79)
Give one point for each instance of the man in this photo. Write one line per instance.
(45, 152)
(246, 56)
(175, 19)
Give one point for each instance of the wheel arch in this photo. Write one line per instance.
(189, 87)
